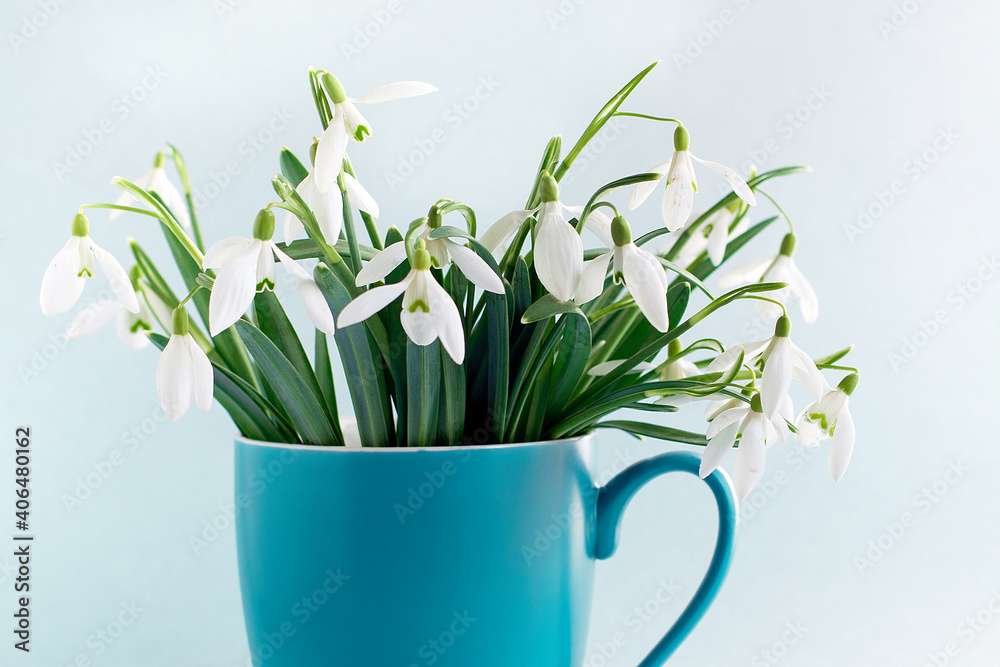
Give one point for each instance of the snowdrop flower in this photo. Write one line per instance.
(442, 252)
(428, 311)
(132, 327)
(830, 417)
(66, 274)
(713, 235)
(246, 266)
(782, 361)
(642, 273)
(680, 367)
(558, 248)
(678, 197)
(755, 432)
(779, 269)
(348, 123)
(183, 371)
(328, 207)
(156, 180)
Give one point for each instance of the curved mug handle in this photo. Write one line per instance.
(614, 497)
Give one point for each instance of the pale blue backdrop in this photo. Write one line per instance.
(894, 105)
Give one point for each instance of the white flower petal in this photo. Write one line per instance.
(642, 190)
(131, 331)
(607, 366)
(447, 320)
(474, 267)
(805, 371)
(61, 284)
(842, 446)
(808, 303)
(717, 449)
(718, 238)
(117, 277)
(222, 252)
(419, 326)
(382, 264)
(174, 378)
(315, 303)
(202, 377)
(293, 227)
(359, 197)
(266, 276)
(742, 274)
(592, 278)
(678, 197)
(233, 291)
(503, 230)
(751, 455)
(777, 376)
(733, 415)
(395, 91)
(644, 280)
(724, 362)
(160, 183)
(368, 303)
(93, 317)
(558, 253)
(330, 151)
(740, 186)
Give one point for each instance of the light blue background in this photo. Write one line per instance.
(879, 97)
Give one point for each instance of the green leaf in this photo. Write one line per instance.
(397, 340)
(292, 167)
(704, 267)
(423, 377)
(451, 418)
(305, 411)
(640, 429)
(549, 163)
(571, 358)
(273, 322)
(683, 273)
(835, 357)
(497, 360)
(324, 376)
(362, 364)
(677, 300)
(549, 306)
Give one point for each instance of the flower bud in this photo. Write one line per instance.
(849, 383)
(158, 161)
(263, 225)
(783, 327)
(788, 245)
(681, 138)
(755, 403)
(621, 233)
(433, 217)
(421, 258)
(179, 322)
(548, 188)
(312, 151)
(81, 225)
(334, 88)
(674, 348)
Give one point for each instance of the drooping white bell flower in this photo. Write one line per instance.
(246, 266)
(643, 275)
(348, 123)
(755, 432)
(328, 207)
(156, 180)
(428, 312)
(66, 274)
(678, 197)
(778, 269)
(183, 371)
(558, 249)
(447, 251)
(830, 417)
(782, 361)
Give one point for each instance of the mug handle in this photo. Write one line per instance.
(614, 497)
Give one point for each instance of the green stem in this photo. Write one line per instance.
(186, 183)
(780, 210)
(130, 209)
(630, 114)
(165, 217)
(370, 225)
(352, 236)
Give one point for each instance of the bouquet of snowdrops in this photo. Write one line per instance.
(452, 337)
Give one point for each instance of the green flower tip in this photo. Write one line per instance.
(421, 258)
(263, 225)
(179, 322)
(849, 383)
(621, 233)
(334, 88)
(788, 245)
(681, 138)
(755, 404)
(158, 160)
(783, 327)
(674, 348)
(434, 217)
(549, 188)
(81, 225)
(312, 151)
(134, 274)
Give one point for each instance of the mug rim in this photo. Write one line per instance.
(586, 437)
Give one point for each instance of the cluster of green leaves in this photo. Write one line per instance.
(527, 354)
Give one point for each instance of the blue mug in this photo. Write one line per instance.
(449, 556)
